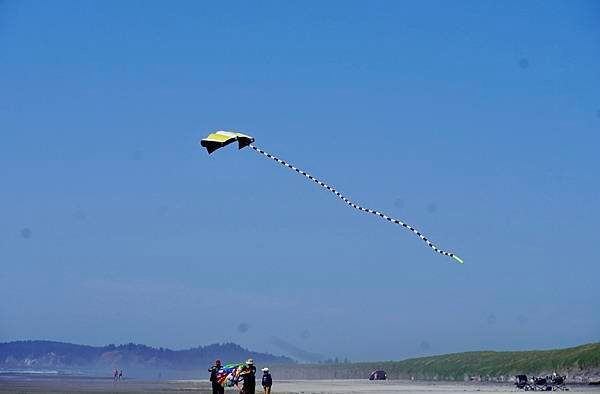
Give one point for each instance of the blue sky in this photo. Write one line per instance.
(477, 122)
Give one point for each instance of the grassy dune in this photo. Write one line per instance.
(580, 358)
(583, 361)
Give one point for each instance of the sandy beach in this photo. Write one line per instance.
(91, 385)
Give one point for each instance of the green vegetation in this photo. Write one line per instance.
(459, 365)
(581, 360)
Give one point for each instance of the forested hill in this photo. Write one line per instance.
(581, 364)
(48, 355)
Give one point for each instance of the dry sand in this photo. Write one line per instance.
(395, 386)
(91, 385)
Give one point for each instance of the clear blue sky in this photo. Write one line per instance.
(477, 122)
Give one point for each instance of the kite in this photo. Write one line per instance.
(220, 139)
(231, 374)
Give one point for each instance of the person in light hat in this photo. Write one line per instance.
(267, 381)
(249, 374)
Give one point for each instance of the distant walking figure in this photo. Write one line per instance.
(267, 381)
(120, 374)
(216, 386)
(116, 375)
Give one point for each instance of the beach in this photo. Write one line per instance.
(62, 384)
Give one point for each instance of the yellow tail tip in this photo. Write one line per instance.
(458, 259)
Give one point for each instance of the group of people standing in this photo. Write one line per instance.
(248, 375)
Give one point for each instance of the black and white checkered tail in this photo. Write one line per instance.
(355, 206)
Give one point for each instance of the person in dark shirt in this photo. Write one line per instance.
(249, 374)
(216, 386)
(267, 381)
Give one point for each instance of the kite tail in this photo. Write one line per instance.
(355, 206)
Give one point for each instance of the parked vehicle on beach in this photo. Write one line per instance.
(378, 375)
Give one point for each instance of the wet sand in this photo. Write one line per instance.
(95, 385)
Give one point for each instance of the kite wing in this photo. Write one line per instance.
(229, 375)
(220, 139)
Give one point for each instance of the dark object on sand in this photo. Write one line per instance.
(378, 375)
(522, 383)
(541, 384)
(558, 383)
(548, 383)
(594, 383)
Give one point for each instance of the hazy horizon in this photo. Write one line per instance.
(476, 122)
(326, 359)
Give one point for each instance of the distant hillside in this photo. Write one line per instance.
(580, 363)
(136, 360)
